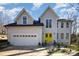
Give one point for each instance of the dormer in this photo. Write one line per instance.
(24, 18)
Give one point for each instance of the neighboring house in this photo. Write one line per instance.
(2, 29)
(26, 32)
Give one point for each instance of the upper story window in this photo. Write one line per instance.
(24, 20)
(57, 35)
(57, 24)
(67, 35)
(48, 23)
(62, 24)
(67, 25)
(62, 35)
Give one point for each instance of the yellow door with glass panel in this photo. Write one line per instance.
(48, 37)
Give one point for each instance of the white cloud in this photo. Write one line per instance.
(36, 5)
(1, 8)
(65, 12)
(8, 15)
(3, 4)
(60, 5)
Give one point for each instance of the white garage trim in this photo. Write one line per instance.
(25, 36)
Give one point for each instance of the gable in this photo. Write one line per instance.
(19, 18)
(49, 11)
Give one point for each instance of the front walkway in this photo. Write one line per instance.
(25, 51)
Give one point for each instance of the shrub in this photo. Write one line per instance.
(64, 51)
(74, 47)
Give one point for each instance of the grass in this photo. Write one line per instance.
(74, 47)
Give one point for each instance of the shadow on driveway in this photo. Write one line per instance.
(77, 54)
(26, 52)
(9, 48)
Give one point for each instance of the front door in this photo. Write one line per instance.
(48, 38)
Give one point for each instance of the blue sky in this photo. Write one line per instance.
(8, 11)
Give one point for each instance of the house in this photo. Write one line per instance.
(26, 32)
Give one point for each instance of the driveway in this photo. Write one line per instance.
(22, 51)
(27, 51)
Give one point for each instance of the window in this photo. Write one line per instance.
(62, 35)
(57, 35)
(14, 35)
(67, 25)
(24, 20)
(23, 35)
(31, 35)
(67, 35)
(57, 24)
(46, 35)
(28, 35)
(62, 24)
(48, 23)
(20, 35)
(17, 35)
(34, 35)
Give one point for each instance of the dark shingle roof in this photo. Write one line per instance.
(14, 24)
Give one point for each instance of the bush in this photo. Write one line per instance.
(64, 51)
(74, 47)
(58, 45)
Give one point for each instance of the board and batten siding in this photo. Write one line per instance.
(49, 14)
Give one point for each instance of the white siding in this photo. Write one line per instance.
(25, 41)
(64, 30)
(29, 19)
(50, 15)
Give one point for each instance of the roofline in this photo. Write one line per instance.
(65, 20)
(20, 13)
(46, 10)
(21, 25)
(14, 24)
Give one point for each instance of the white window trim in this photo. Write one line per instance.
(26, 17)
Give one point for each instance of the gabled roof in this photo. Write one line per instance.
(47, 10)
(20, 13)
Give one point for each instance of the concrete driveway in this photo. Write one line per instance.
(23, 51)
(28, 51)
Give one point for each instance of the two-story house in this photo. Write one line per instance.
(25, 32)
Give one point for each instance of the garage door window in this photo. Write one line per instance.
(14, 35)
(34, 35)
(24, 35)
(20, 35)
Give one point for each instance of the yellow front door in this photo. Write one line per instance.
(48, 37)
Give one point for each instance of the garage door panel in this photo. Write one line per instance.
(26, 40)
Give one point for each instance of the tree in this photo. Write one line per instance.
(76, 6)
(2, 28)
(75, 23)
(72, 14)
